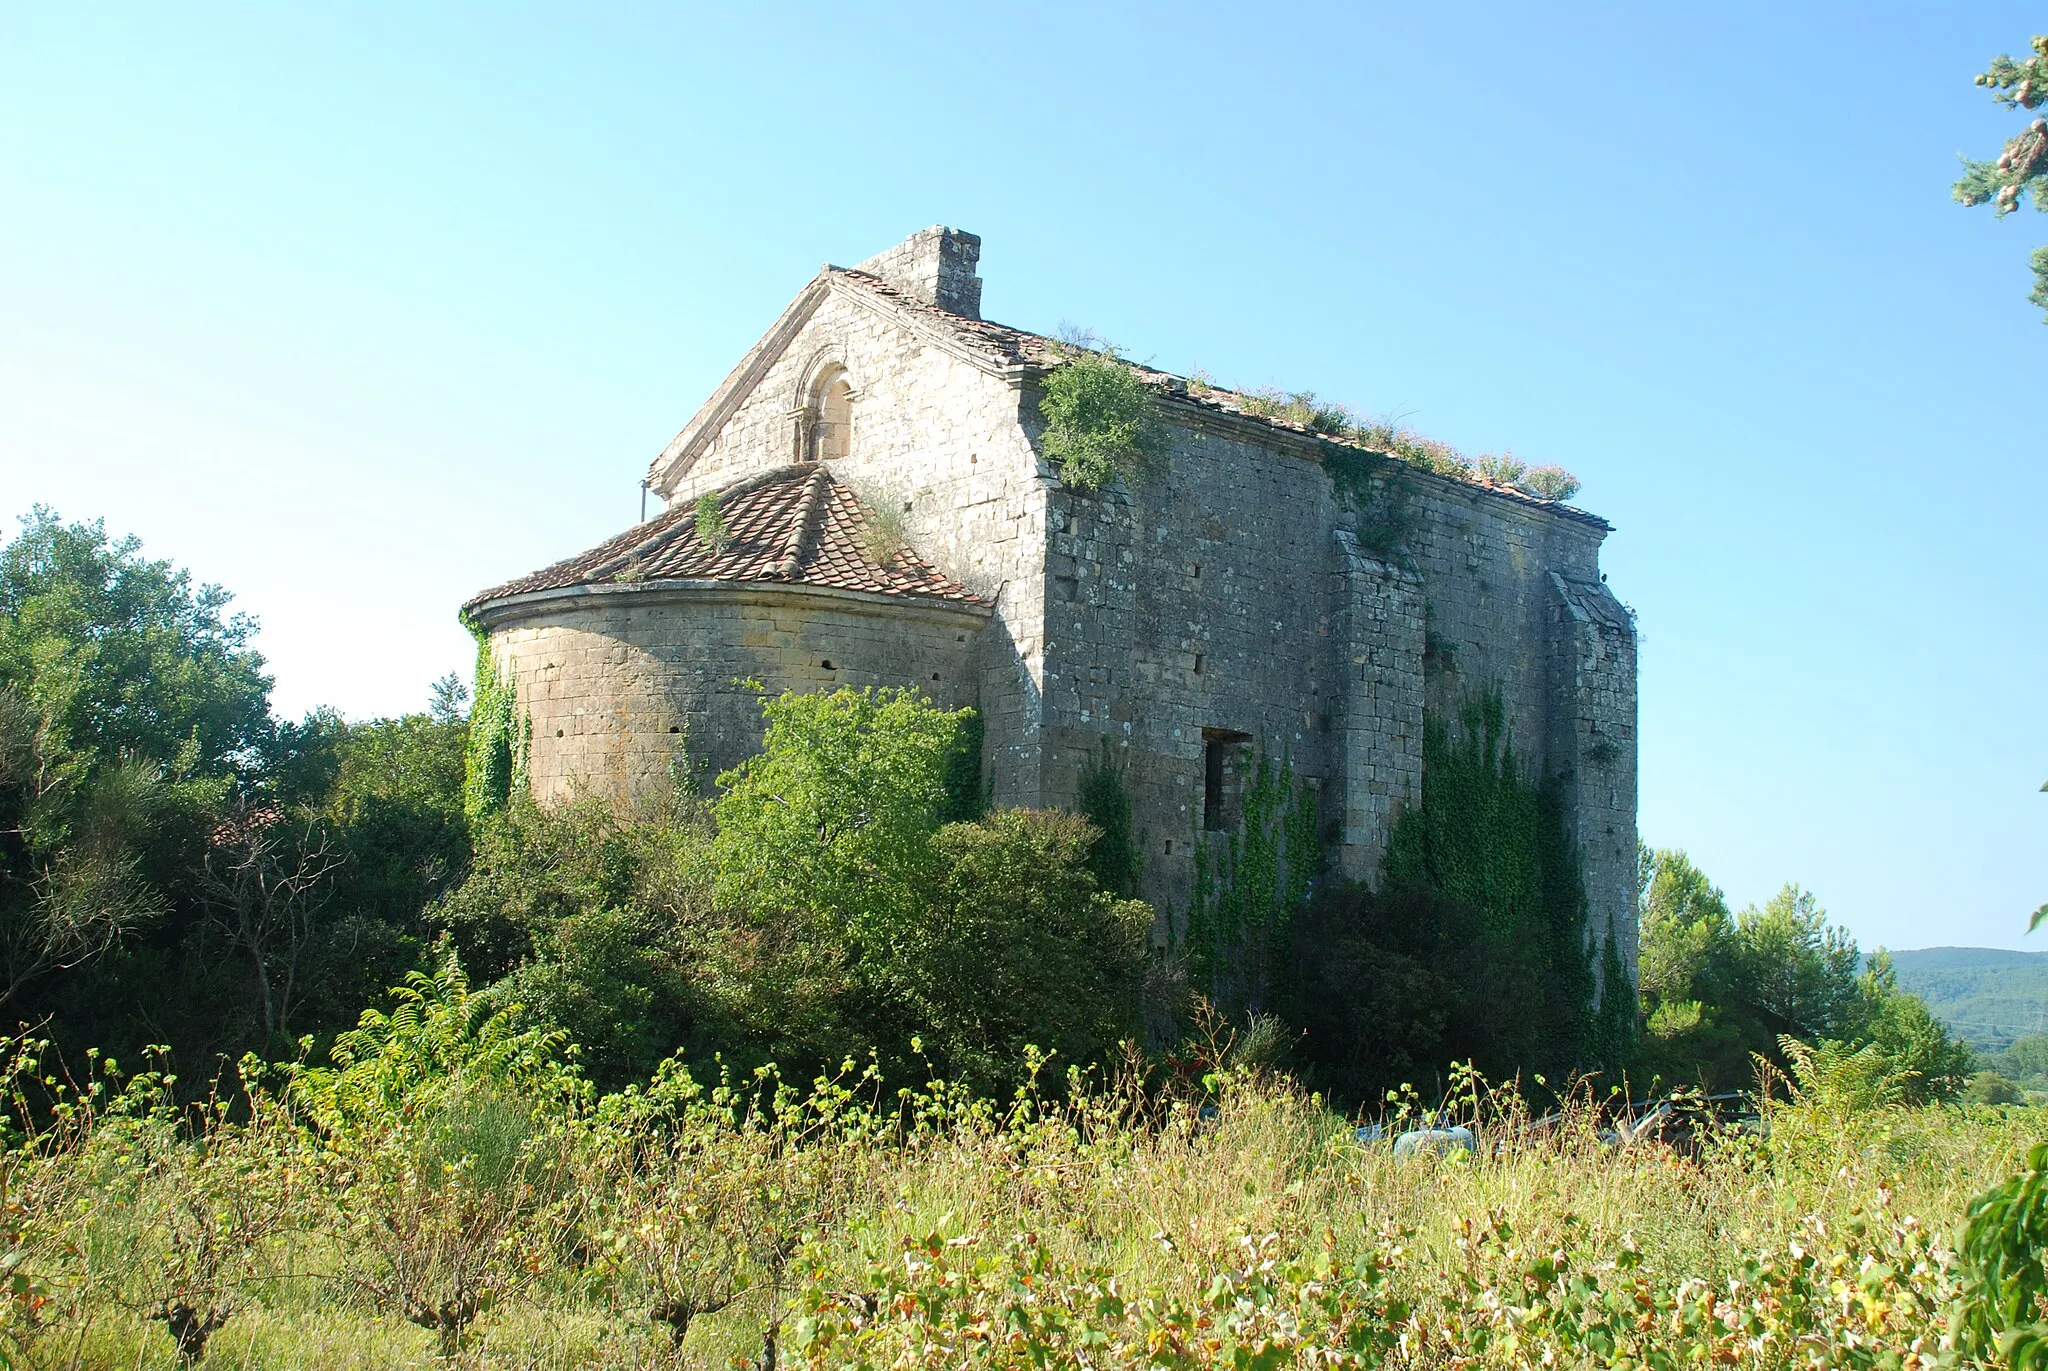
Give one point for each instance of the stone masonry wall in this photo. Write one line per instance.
(1593, 747)
(623, 683)
(936, 437)
(1195, 599)
(1228, 590)
(1376, 760)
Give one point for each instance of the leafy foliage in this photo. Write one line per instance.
(2021, 168)
(1487, 837)
(1019, 949)
(1250, 883)
(591, 920)
(847, 786)
(709, 521)
(123, 657)
(1103, 797)
(1719, 989)
(499, 735)
(447, 1124)
(2000, 1317)
(1099, 424)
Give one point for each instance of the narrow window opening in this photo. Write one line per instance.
(1198, 571)
(1169, 847)
(1198, 664)
(1222, 768)
(835, 419)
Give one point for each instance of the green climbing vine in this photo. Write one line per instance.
(966, 800)
(1249, 883)
(1378, 489)
(1104, 799)
(1489, 837)
(500, 735)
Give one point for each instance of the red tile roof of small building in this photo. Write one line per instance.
(796, 525)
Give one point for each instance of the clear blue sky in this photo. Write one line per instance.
(356, 315)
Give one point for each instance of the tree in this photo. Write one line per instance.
(2022, 168)
(1929, 1064)
(1719, 991)
(837, 811)
(126, 657)
(129, 708)
(1795, 967)
(266, 880)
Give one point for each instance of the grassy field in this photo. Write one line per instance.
(401, 1216)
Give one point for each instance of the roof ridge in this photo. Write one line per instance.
(803, 523)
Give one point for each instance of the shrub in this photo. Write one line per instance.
(446, 1125)
(835, 814)
(1549, 483)
(1018, 947)
(1099, 423)
(708, 519)
(1988, 1087)
(593, 921)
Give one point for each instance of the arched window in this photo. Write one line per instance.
(831, 416)
(835, 418)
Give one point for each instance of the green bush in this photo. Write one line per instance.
(1099, 424)
(1988, 1087)
(1016, 947)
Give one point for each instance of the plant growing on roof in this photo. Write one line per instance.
(712, 533)
(1098, 416)
(1549, 483)
(881, 535)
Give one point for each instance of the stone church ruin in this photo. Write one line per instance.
(885, 516)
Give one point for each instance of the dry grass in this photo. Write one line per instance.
(1159, 1198)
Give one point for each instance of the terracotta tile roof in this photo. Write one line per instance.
(1015, 346)
(796, 525)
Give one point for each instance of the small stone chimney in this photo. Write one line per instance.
(935, 266)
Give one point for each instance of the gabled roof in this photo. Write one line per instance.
(1008, 351)
(795, 525)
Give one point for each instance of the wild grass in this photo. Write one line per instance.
(1111, 1222)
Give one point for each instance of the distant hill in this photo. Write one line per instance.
(1986, 994)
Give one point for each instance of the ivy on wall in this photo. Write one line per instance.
(500, 735)
(1248, 885)
(1488, 836)
(1104, 799)
(1378, 489)
(965, 800)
